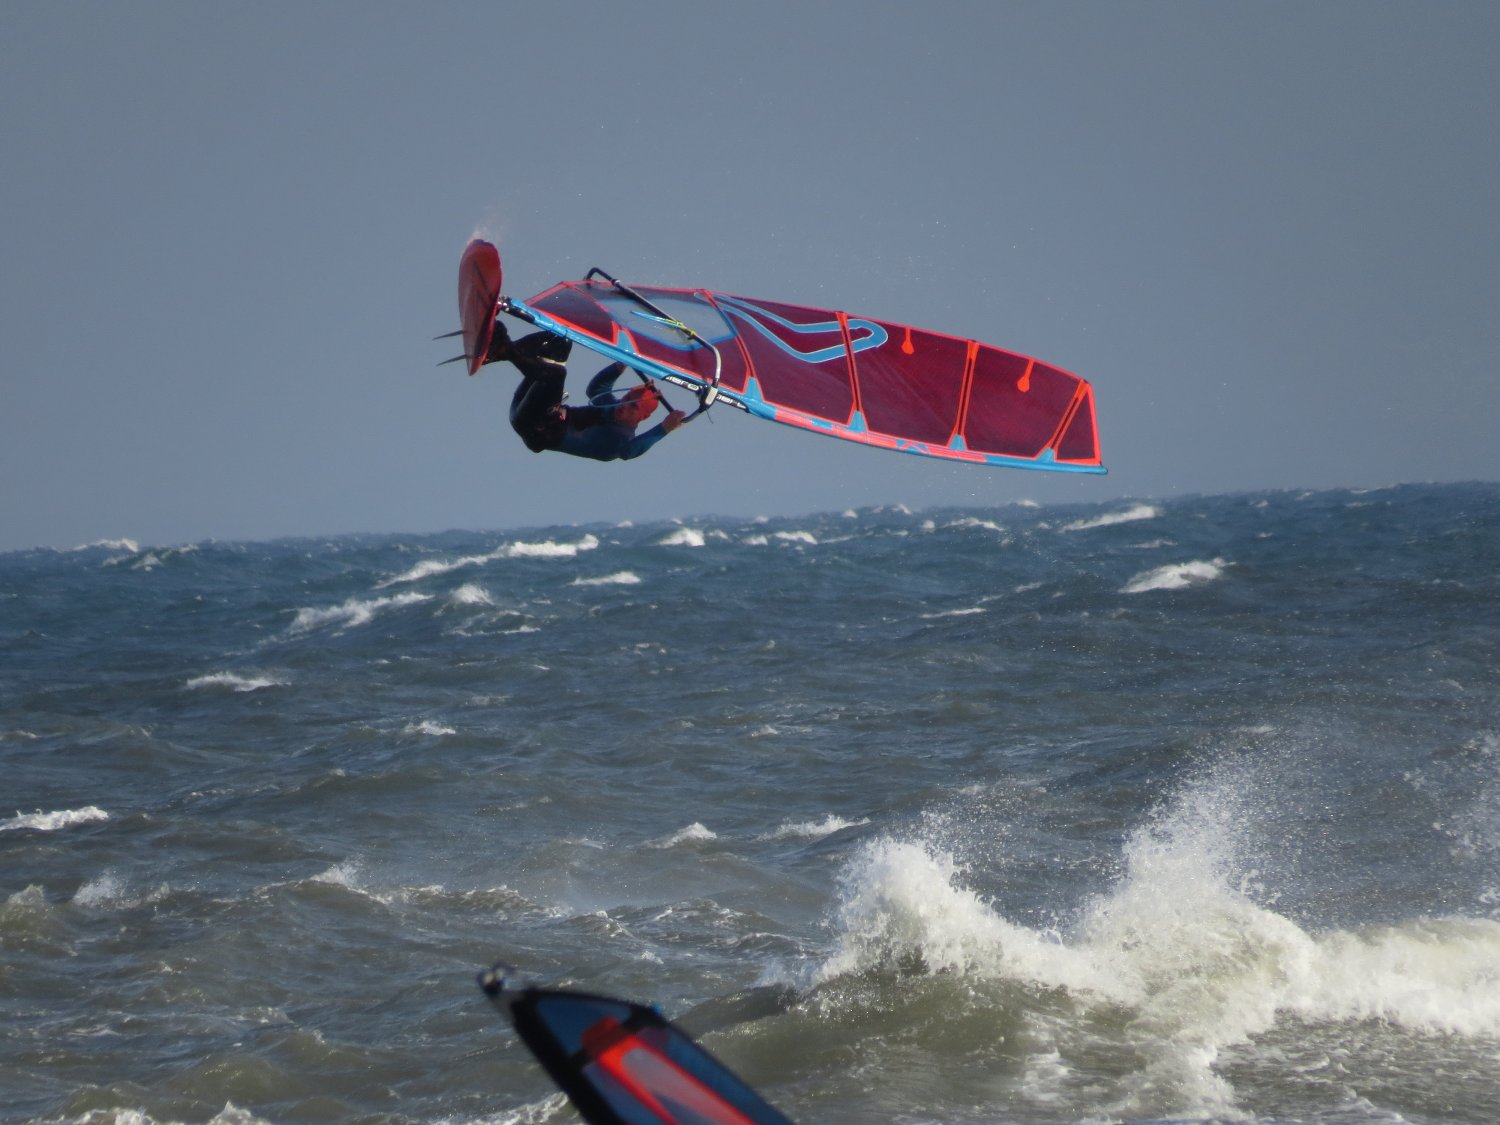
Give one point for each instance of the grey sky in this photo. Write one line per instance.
(1266, 232)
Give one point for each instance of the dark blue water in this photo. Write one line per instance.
(1181, 809)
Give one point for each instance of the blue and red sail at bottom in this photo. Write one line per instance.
(625, 1064)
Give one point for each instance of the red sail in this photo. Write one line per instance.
(858, 379)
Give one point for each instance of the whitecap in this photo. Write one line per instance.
(344, 875)
(429, 727)
(109, 892)
(805, 537)
(543, 1112)
(1176, 576)
(233, 681)
(682, 537)
(694, 833)
(812, 829)
(618, 578)
(1130, 515)
(954, 613)
(471, 593)
(231, 1114)
(352, 613)
(429, 568)
(53, 821)
(546, 549)
(129, 545)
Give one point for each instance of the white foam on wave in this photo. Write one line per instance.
(969, 612)
(1176, 576)
(233, 681)
(429, 727)
(682, 537)
(546, 549)
(694, 833)
(129, 545)
(471, 593)
(548, 1109)
(806, 538)
(429, 568)
(352, 613)
(346, 875)
(231, 1114)
(53, 821)
(99, 892)
(1178, 946)
(1129, 515)
(29, 902)
(813, 829)
(618, 578)
(109, 892)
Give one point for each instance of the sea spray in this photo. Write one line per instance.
(1173, 964)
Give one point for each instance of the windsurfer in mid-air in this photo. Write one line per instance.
(604, 430)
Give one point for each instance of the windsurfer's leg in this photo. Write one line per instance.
(540, 352)
(535, 399)
(535, 409)
(499, 344)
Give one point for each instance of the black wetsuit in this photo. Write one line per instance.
(538, 415)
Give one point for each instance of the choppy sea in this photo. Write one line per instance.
(1183, 809)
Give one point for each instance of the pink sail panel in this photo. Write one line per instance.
(862, 380)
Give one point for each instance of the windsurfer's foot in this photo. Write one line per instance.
(499, 344)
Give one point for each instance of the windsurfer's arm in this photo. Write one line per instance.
(644, 441)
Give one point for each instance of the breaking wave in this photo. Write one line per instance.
(618, 578)
(1129, 515)
(1176, 576)
(353, 613)
(53, 821)
(1178, 948)
(471, 593)
(546, 549)
(682, 537)
(233, 682)
(813, 829)
(694, 833)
